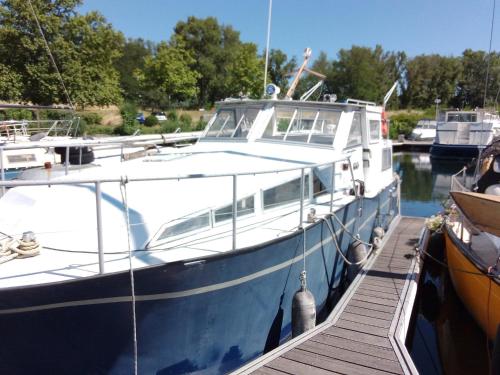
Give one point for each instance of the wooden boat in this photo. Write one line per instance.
(473, 250)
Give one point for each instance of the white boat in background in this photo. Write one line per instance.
(187, 259)
(464, 133)
(425, 130)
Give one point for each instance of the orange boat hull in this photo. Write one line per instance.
(479, 293)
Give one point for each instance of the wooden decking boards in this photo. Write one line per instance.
(363, 334)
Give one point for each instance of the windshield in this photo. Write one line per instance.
(233, 122)
(302, 125)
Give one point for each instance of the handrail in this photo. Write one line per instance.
(15, 183)
(98, 193)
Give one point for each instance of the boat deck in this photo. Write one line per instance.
(365, 333)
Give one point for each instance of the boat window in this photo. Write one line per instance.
(278, 125)
(462, 117)
(245, 122)
(375, 130)
(325, 128)
(224, 124)
(354, 138)
(244, 207)
(185, 226)
(285, 193)
(301, 126)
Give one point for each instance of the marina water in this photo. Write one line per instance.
(443, 338)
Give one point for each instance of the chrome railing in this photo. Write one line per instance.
(234, 178)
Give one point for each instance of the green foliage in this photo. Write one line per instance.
(200, 125)
(403, 124)
(172, 116)
(429, 77)
(91, 118)
(10, 84)
(17, 114)
(132, 59)
(279, 69)
(84, 48)
(151, 121)
(129, 124)
(186, 120)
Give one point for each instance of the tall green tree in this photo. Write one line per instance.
(84, 48)
(133, 57)
(364, 73)
(10, 84)
(217, 50)
(471, 86)
(429, 77)
(280, 69)
(244, 72)
(167, 75)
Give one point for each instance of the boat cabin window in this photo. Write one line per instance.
(233, 122)
(302, 125)
(285, 193)
(462, 117)
(374, 131)
(193, 223)
(354, 138)
(244, 207)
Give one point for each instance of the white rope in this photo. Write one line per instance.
(337, 247)
(123, 190)
(50, 55)
(12, 249)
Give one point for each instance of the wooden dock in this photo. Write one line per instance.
(365, 333)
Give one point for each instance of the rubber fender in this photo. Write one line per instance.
(303, 312)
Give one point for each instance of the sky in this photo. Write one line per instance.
(446, 27)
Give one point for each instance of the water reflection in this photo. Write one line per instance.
(426, 182)
(444, 338)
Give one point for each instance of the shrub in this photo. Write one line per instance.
(186, 120)
(172, 116)
(151, 121)
(200, 125)
(169, 126)
(403, 124)
(91, 118)
(129, 124)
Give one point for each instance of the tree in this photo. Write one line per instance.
(244, 72)
(280, 69)
(134, 54)
(471, 87)
(218, 53)
(167, 75)
(84, 48)
(429, 77)
(364, 73)
(10, 84)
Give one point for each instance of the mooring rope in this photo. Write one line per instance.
(339, 250)
(123, 190)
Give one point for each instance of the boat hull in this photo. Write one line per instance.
(479, 293)
(211, 315)
(454, 151)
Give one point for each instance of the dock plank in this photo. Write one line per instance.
(356, 339)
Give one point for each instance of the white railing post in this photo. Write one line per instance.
(302, 183)
(100, 248)
(66, 162)
(2, 170)
(235, 209)
(333, 187)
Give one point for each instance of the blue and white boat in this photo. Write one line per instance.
(187, 260)
(463, 134)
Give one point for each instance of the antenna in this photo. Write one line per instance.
(267, 43)
(489, 55)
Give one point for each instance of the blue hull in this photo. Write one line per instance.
(210, 316)
(455, 151)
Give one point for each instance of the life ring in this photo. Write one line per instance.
(385, 128)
